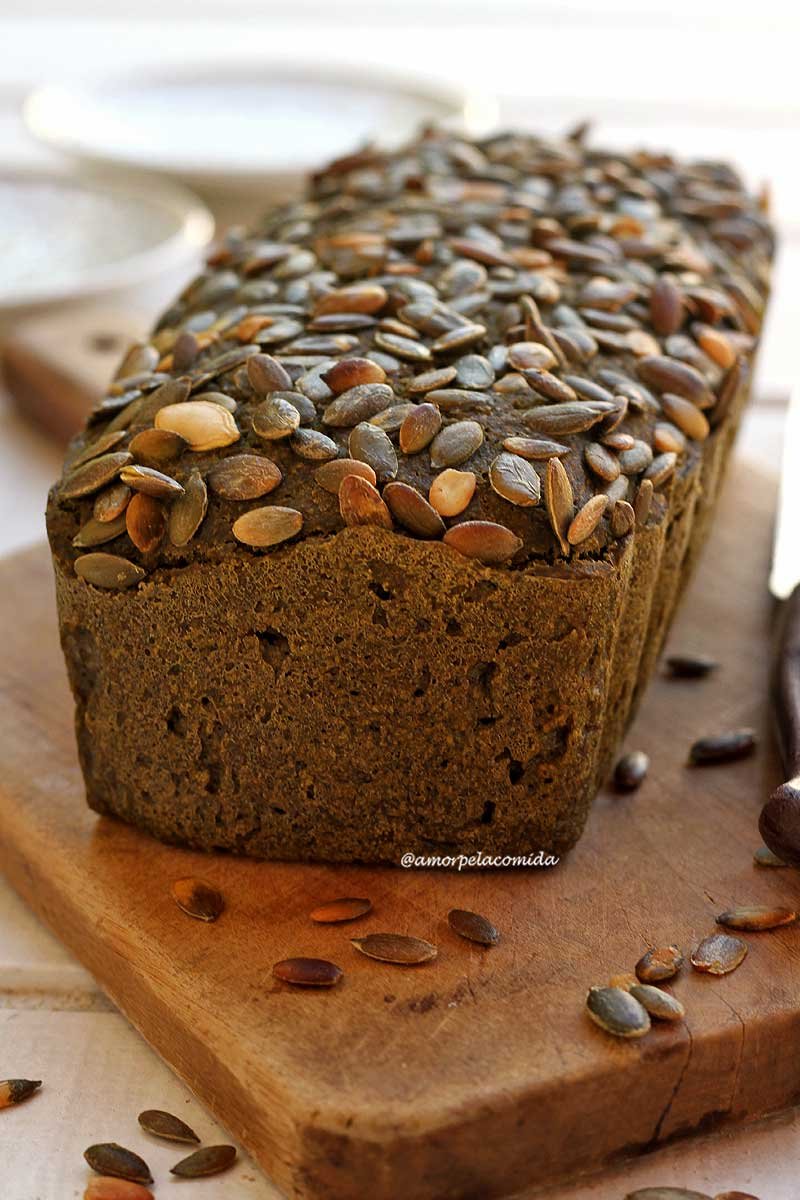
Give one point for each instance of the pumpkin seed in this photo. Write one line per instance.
(419, 428)
(202, 424)
(661, 468)
(561, 419)
(658, 964)
(395, 948)
(763, 857)
(538, 449)
(403, 347)
(165, 1125)
(666, 1193)
(348, 908)
(623, 518)
(97, 533)
(94, 474)
(667, 437)
(14, 1091)
(244, 477)
(719, 954)
(757, 917)
(547, 384)
(391, 419)
(687, 416)
(198, 899)
(515, 480)
(145, 522)
(600, 460)
(108, 571)
(671, 375)
(635, 460)
(429, 381)
(473, 927)
(264, 527)
(716, 345)
(150, 482)
(617, 1012)
(156, 446)
(367, 443)
(307, 972)
(355, 298)
(357, 404)
(666, 306)
(455, 443)
(587, 519)
(105, 442)
(659, 1004)
(631, 770)
(349, 373)
(360, 503)
(523, 356)
(642, 501)
(558, 501)
(105, 1187)
(276, 417)
(330, 475)
(410, 508)
(266, 374)
(111, 503)
(690, 666)
(460, 400)
(723, 747)
(186, 514)
(211, 1160)
(625, 980)
(458, 338)
(109, 1158)
(313, 446)
(451, 492)
(488, 542)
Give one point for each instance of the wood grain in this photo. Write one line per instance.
(477, 1074)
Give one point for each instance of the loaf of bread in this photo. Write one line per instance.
(372, 546)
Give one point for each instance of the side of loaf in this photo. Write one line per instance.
(372, 546)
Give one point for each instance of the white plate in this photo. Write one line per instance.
(240, 124)
(65, 237)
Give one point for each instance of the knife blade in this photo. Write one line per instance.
(780, 817)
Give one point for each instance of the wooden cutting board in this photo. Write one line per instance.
(478, 1074)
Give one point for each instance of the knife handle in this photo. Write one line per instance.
(780, 816)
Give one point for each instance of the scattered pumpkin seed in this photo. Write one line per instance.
(198, 899)
(357, 404)
(623, 518)
(538, 449)
(151, 482)
(202, 424)
(313, 445)
(267, 375)
(349, 373)
(411, 510)
(97, 533)
(723, 747)
(658, 964)
(94, 474)
(559, 501)
(244, 477)
(165, 1125)
(587, 519)
(515, 480)
(367, 443)
(307, 972)
(146, 522)
(14, 1091)
(455, 443)
(156, 446)
(109, 1158)
(330, 474)
(348, 908)
(451, 492)
(419, 428)
(719, 954)
(106, 1187)
(276, 417)
(395, 948)
(624, 980)
(658, 1003)
(631, 770)
(211, 1160)
(473, 927)
(757, 917)
(617, 1012)
(187, 512)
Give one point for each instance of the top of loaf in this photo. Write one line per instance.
(510, 344)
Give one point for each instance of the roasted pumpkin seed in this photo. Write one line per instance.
(330, 474)
(307, 972)
(109, 1158)
(410, 508)
(108, 571)
(451, 491)
(455, 443)
(94, 475)
(211, 1160)
(396, 948)
(156, 446)
(659, 964)
(146, 522)
(187, 512)
(276, 417)
(244, 477)
(631, 770)
(559, 501)
(348, 908)
(587, 519)
(14, 1091)
(198, 899)
(97, 533)
(202, 424)
(617, 1012)
(623, 518)
(723, 747)
(658, 1003)
(490, 543)
(420, 428)
(106, 1187)
(367, 443)
(165, 1125)
(111, 502)
(719, 954)
(349, 373)
(473, 927)
(357, 404)
(757, 917)
(515, 480)
(264, 527)
(360, 503)
(538, 449)
(267, 375)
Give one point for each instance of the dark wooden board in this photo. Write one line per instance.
(477, 1074)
